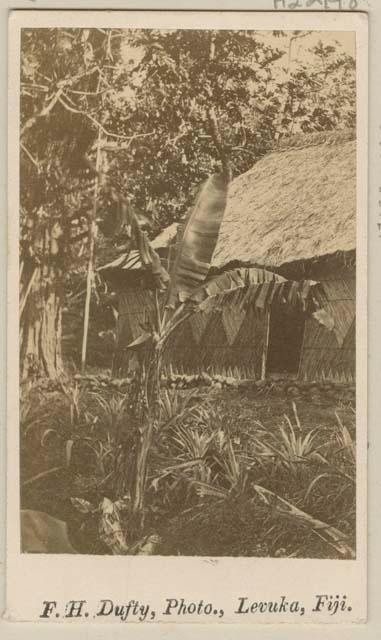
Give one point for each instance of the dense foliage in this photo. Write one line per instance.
(209, 456)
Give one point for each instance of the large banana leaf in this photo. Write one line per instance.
(195, 250)
(248, 287)
(253, 287)
(240, 288)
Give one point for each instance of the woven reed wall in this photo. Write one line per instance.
(218, 343)
(226, 341)
(136, 310)
(331, 354)
(229, 341)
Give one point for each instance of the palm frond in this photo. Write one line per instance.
(329, 534)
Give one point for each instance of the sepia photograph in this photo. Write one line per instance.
(188, 209)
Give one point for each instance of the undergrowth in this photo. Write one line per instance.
(215, 456)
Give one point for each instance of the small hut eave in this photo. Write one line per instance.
(165, 237)
(130, 261)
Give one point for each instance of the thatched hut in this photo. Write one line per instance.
(294, 213)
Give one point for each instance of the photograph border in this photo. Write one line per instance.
(361, 386)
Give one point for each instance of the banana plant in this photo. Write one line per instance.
(175, 302)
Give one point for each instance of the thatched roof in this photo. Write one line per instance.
(296, 203)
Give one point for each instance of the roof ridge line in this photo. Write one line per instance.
(307, 146)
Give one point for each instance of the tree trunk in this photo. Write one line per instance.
(41, 325)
